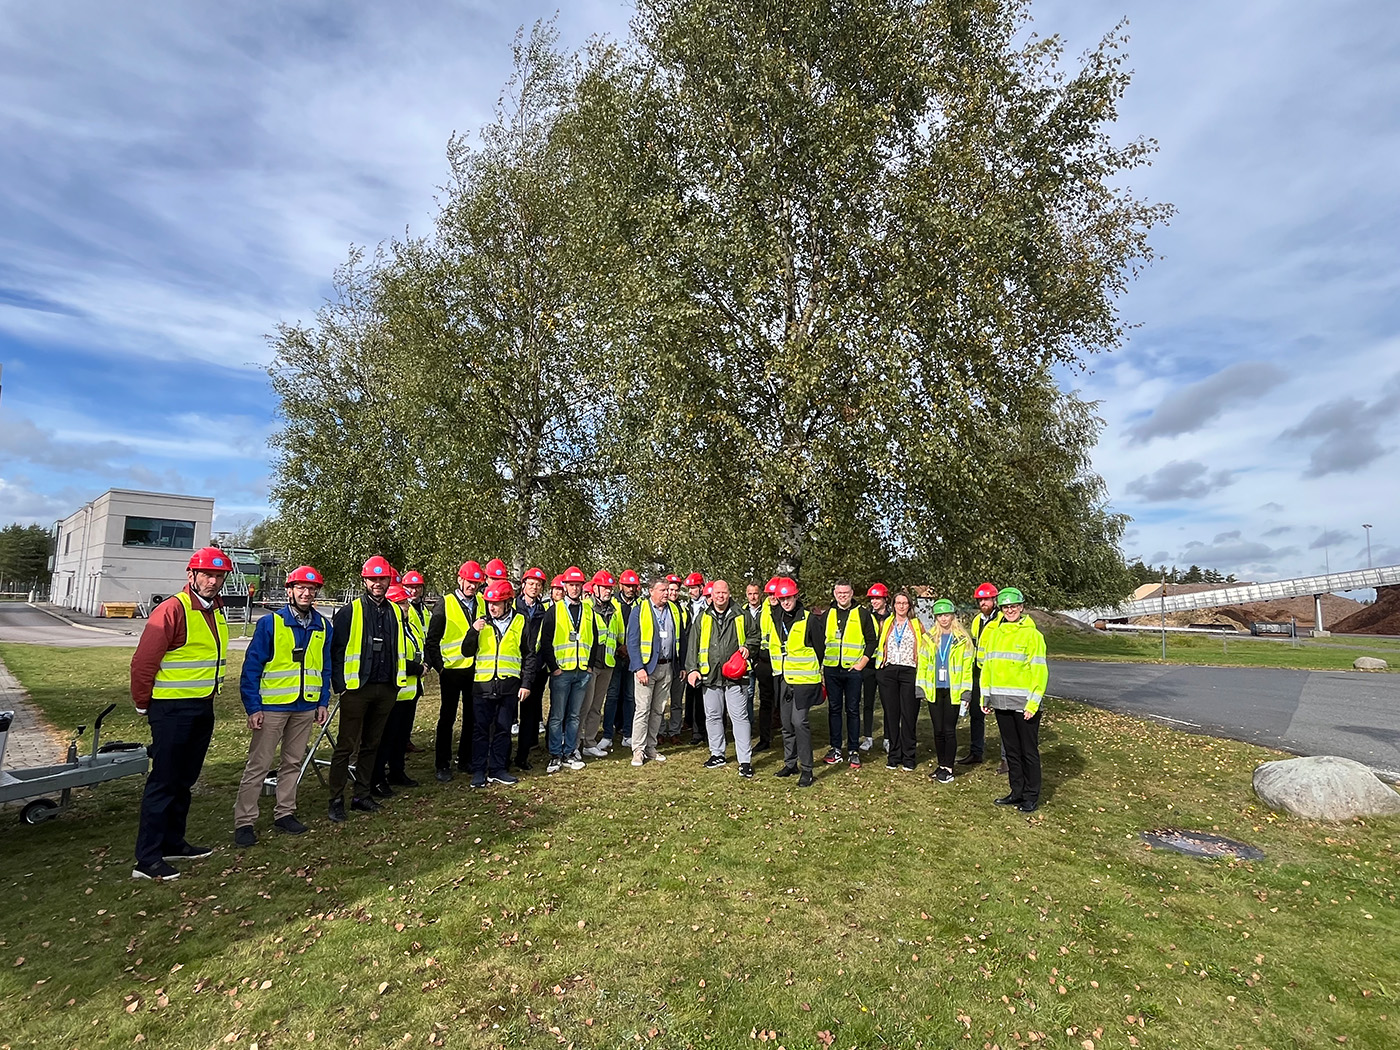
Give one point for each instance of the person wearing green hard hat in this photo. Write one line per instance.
(1014, 679)
(945, 679)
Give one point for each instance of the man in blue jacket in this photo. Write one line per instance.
(286, 688)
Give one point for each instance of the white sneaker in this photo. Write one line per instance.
(658, 757)
(515, 729)
(577, 756)
(627, 741)
(637, 760)
(574, 763)
(605, 744)
(866, 743)
(596, 752)
(554, 766)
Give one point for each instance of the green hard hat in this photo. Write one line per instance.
(1010, 596)
(943, 605)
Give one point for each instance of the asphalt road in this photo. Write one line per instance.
(20, 622)
(1354, 714)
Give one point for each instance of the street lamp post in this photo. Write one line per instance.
(1368, 545)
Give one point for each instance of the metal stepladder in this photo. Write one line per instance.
(317, 765)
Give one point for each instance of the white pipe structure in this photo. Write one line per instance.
(1247, 594)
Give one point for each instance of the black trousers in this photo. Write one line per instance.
(694, 709)
(363, 714)
(943, 713)
(180, 735)
(531, 714)
(843, 693)
(870, 688)
(901, 706)
(393, 745)
(767, 709)
(1020, 744)
(495, 702)
(456, 686)
(977, 733)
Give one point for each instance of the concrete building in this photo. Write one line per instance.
(127, 546)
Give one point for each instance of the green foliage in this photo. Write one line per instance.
(765, 285)
(24, 556)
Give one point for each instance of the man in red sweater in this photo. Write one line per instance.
(176, 672)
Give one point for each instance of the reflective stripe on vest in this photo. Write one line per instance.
(707, 623)
(503, 661)
(792, 657)
(355, 646)
(195, 670)
(285, 680)
(852, 646)
(646, 629)
(573, 647)
(411, 640)
(454, 633)
(609, 631)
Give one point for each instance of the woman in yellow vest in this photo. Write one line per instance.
(945, 679)
(897, 661)
(1014, 679)
(503, 652)
(286, 690)
(797, 675)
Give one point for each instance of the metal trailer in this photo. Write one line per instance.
(109, 761)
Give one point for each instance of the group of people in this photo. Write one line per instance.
(622, 668)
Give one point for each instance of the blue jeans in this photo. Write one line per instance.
(566, 691)
(843, 693)
(621, 706)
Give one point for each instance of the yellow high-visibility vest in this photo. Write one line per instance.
(284, 679)
(503, 660)
(195, 670)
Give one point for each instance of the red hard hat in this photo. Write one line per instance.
(708, 588)
(210, 559)
(305, 574)
(558, 581)
(630, 578)
(499, 591)
(771, 587)
(695, 579)
(603, 578)
(496, 569)
(787, 587)
(471, 570)
(396, 593)
(673, 578)
(413, 578)
(573, 574)
(986, 590)
(534, 573)
(736, 666)
(878, 590)
(377, 568)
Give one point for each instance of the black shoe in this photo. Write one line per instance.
(382, 790)
(1008, 800)
(786, 771)
(478, 780)
(523, 765)
(337, 810)
(891, 765)
(245, 836)
(714, 761)
(907, 769)
(463, 767)
(364, 805)
(970, 760)
(806, 780)
(1028, 807)
(762, 745)
(188, 852)
(833, 756)
(290, 825)
(444, 776)
(502, 778)
(404, 781)
(696, 740)
(159, 870)
(746, 770)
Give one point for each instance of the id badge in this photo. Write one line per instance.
(943, 674)
(573, 636)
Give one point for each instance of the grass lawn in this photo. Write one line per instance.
(1315, 654)
(676, 906)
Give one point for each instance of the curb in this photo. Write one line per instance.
(79, 626)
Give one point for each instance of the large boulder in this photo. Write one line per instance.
(1369, 663)
(1324, 787)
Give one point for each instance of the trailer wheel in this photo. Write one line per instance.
(38, 811)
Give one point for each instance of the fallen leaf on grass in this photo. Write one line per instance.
(383, 987)
(826, 1038)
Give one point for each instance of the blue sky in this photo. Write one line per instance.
(177, 179)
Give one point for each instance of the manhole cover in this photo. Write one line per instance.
(1200, 844)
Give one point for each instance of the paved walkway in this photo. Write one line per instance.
(33, 741)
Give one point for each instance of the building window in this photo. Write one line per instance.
(158, 532)
(67, 541)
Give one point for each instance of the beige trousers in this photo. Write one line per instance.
(290, 729)
(651, 700)
(591, 716)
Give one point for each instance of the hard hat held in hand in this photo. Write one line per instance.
(736, 666)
